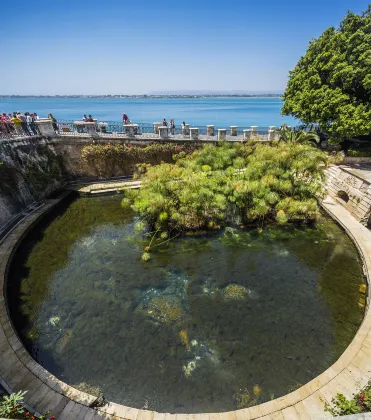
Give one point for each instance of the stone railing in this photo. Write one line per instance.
(155, 131)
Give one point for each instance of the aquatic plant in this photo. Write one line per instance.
(278, 183)
(89, 389)
(236, 292)
(167, 309)
(183, 334)
(146, 256)
(244, 399)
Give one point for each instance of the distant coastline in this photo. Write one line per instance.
(266, 95)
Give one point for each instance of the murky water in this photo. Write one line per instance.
(210, 323)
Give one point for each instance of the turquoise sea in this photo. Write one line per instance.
(221, 111)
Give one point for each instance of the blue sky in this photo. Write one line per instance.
(129, 47)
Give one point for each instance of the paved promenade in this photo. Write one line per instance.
(45, 392)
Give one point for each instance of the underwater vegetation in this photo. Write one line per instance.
(236, 292)
(166, 309)
(183, 334)
(244, 398)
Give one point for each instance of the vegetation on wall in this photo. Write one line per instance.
(38, 169)
(231, 183)
(107, 160)
(8, 178)
(331, 84)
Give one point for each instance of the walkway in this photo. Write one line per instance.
(45, 392)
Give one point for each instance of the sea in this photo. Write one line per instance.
(198, 112)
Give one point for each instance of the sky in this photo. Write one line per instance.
(106, 47)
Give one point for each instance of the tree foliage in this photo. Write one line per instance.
(232, 183)
(331, 84)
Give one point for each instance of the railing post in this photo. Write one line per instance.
(45, 126)
(193, 133)
(91, 129)
(233, 130)
(163, 132)
(210, 130)
(247, 134)
(222, 133)
(254, 130)
(271, 135)
(156, 125)
(130, 129)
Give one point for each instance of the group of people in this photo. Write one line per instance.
(19, 124)
(88, 119)
(171, 125)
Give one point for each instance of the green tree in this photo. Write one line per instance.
(331, 84)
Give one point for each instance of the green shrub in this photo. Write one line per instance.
(359, 153)
(360, 403)
(111, 159)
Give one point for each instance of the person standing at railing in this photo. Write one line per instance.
(28, 124)
(17, 123)
(125, 119)
(34, 127)
(84, 118)
(172, 127)
(54, 122)
(164, 123)
(90, 119)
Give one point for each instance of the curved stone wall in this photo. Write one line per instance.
(45, 392)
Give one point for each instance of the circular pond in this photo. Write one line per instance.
(211, 323)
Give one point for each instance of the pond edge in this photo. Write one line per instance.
(18, 370)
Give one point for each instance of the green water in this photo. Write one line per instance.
(171, 334)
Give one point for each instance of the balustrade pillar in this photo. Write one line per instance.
(163, 132)
(91, 129)
(193, 133)
(233, 130)
(254, 130)
(271, 135)
(222, 134)
(156, 125)
(210, 130)
(247, 134)
(45, 126)
(131, 129)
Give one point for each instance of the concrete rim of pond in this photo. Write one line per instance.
(19, 371)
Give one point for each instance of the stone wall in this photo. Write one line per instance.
(30, 169)
(351, 186)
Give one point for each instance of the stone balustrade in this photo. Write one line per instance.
(193, 133)
(163, 132)
(45, 126)
(210, 129)
(247, 134)
(222, 134)
(131, 129)
(156, 125)
(137, 131)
